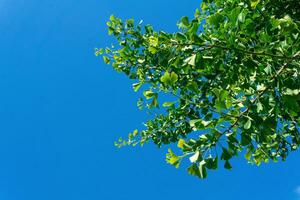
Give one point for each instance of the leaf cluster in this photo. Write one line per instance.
(234, 72)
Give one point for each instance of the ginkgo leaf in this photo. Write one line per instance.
(195, 157)
(191, 60)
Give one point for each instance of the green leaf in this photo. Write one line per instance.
(245, 139)
(202, 169)
(220, 105)
(180, 36)
(140, 103)
(241, 17)
(208, 57)
(173, 78)
(195, 157)
(191, 60)
(169, 78)
(136, 86)
(153, 41)
(181, 143)
(165, 78)
(205, 123)
(292, 92)
(233, 16)
(211, 163)
(152, 50)
(154, 102)
(228, 103)
(227, 165)
(130, 22)
(141, 61)
(172, 159)
(247, 125)
(149, 94)
(259, 107)
(268, 70)
(223, 95)
(248, 155)
(168, 104)
(193, 86)
(185, 21)
(226, 155)
(215, 19)
(254, 3)
(194, 123)
(197, 13)
(106, 59)
(194, 170)
(204, 6)
(99, 51)
(135, 132)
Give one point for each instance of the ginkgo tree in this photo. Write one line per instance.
(231, 74)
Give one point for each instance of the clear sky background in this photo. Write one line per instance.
(61, 109)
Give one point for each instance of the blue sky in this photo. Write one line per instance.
(61, 109)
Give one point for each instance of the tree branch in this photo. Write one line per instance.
(206, 47)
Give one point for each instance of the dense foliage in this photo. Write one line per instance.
(231, 74)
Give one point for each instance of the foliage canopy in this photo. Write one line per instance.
(232, 74)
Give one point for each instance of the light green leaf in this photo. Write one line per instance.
(203, 137)
(130, 22)
(241, 17)
(135, 132)
(248, 155)
(148, 94)
(204, 6)
(195, 157)
(292, 92)
(154, 102)
(152, 50)
(141, 61)
(268, 70)
(165, 78)
(259, 107)
(172, 159)
(173, 78)
(191, 60)
(181, 143)
(202, 169)
(208, 57)
(136, 86)
(205, 123)
(99, 51)
(153, 41)
(247, 125)
(168, 104)
(169, 78)
(254, 3)
(106, 59)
